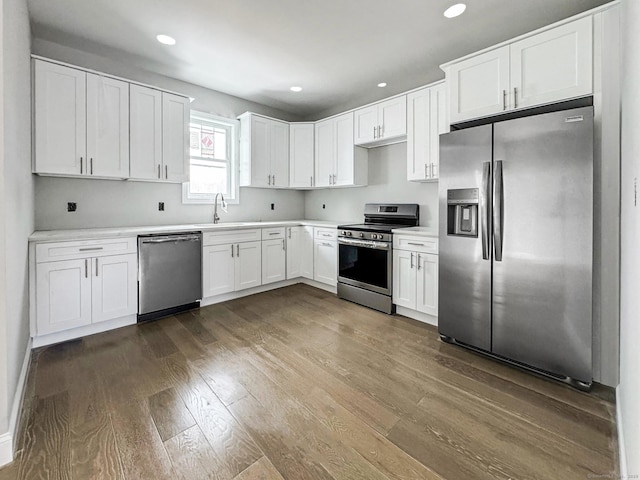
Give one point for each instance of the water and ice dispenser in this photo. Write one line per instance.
(462, 212)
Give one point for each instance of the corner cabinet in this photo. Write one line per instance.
(264, 152)
(549, 66)
(300, 252)
(427, 119)
(81, 123)
(339, 163)
(382, 123)
(83, 283)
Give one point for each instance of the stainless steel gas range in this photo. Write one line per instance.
(366, 254)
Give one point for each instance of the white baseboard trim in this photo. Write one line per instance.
(85, 331)
(8, 440)
(321, 286)
(421, 317)
(622, 451)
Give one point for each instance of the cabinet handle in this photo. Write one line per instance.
(289, 232)
(90, 249)
(515, 97)
(166, 172)
(431, 170)
(238, 250)
(381, 131)
(283, 244)
(273, 179)
(86, 268)
(231, 251)
(326, 244)
(416, 244)
(311, 181)
(374, 132)
(329, 179)
(96, 267)
(504, 99)
(81, 166)
(411, 260)
(274, 233)
(91, 166)
(334, 179)
(426, 173)
(159, 171)
(418, 261)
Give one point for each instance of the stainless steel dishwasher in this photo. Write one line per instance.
(169, 275)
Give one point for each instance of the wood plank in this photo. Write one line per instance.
(169, 413)
(182, 338)
(193, 457)
(263, 469)
(159, 341)
(197, 330)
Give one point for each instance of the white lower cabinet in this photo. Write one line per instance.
(248, 265)
(415, 273)
(274, 260)
(325, 261)
(300, 252)
(230, 267)
(79, 292)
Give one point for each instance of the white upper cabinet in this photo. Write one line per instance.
(426, 121)
(175, 138)
(146, 133)
(479, 86)
(107, 126)
(555, 64)
(301, 154)
(382, 123)
(338, 161)
(60, 119)
(264, 152)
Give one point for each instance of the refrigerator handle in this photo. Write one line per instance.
(498, 211)
(485, 212)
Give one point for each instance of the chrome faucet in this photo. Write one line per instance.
(223, 205)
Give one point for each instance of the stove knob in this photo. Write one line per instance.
(380, 237)
(362, 235)
(343, 232)
(374, 236)
(349, 234)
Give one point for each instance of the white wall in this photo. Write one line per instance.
(17, 196)
(387, 183)
(103, 203)
(629, 389)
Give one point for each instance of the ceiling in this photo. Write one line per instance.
(337, 50)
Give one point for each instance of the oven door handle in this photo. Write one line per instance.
(365, 243)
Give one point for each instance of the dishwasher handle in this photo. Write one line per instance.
(171, 238)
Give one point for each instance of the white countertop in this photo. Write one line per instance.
(93, 233)
(417, 231)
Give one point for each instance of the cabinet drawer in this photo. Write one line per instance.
(416, 244)
(272, 233)
(51, 252)
(231, 236)
(326, 233)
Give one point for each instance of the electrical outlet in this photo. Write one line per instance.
(72, 206)
(324, 206)
(161, 206)
(273, 206)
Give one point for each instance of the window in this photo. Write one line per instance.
(213, 162)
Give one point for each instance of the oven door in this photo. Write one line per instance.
(365, 264)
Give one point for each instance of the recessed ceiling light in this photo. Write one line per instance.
(166, 40)
(455, 10)
(191, 99)
(382, 84)
(296, 89)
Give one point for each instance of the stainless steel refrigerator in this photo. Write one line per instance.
(516, 241)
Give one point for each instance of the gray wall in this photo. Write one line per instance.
(17, 193)
(387, 183)
(103, 203)
(629, 389)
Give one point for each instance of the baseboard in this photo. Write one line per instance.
(8, 440)
(321, 286)
(421, 317)
(85, 331)
(622, 452)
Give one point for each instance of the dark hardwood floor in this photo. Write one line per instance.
(296, 384)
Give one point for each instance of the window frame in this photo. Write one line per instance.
(234, 126)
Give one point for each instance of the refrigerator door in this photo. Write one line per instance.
(464, 298)
(543, 238)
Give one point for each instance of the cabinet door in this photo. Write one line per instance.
(325, 152)
(279, 158)
(326, 262)
(175, 138)
(479, 86)
(345, 159)
(427, 284)
(301, 154)
(114, 287)
(553, 65)
(392, 117)
(145, 107)
(366, 125)
(294, 252)
(60, 119)
(260, 152)
(419, 136)
(307, 252)
(63, 295)
(438, 124)
(248, 265)
(107, 127)
(274, 259)
(218, 269)
(404, 279)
